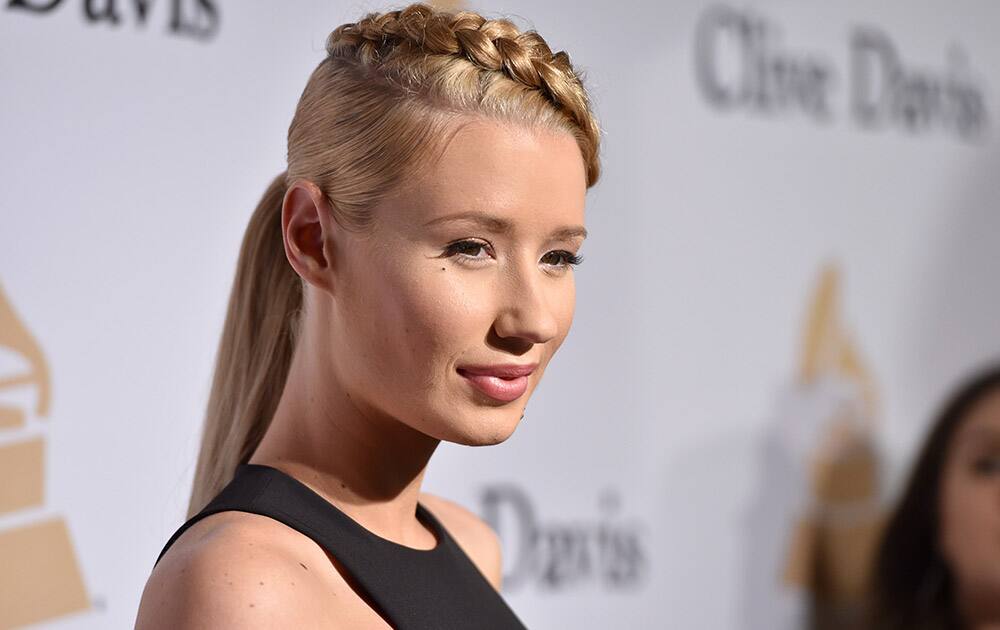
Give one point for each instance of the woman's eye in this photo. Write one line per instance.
(478, 250)
(987, 465)
(562, 258)
(469, 249)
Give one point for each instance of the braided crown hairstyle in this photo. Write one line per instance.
(428, 52)
(373, 114)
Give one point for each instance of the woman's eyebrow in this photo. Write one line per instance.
(503, 226)
(488, 221)
(568, 232)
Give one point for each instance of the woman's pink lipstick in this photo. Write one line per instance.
(505, 383)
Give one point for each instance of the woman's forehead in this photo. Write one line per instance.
(501, 170)
(983, 419)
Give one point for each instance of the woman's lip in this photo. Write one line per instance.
(502, 389)
(505, 370)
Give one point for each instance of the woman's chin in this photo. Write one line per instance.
(486, 430)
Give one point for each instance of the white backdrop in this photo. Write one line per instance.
(747, 149)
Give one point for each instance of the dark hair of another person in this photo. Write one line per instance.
(912, 586)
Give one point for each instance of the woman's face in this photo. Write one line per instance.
(464, 280)
(970, 508)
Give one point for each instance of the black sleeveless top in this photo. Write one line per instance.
(437, 588)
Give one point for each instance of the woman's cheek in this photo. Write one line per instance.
(565, 307)
(570, 304)
(437, 313)
(454, 311)
(962, 521)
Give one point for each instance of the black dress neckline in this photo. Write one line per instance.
(424, 515)
(412, 589)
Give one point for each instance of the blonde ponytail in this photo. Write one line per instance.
(255, 352)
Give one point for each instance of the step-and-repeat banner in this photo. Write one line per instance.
(792, 259)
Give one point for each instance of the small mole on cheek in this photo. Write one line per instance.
(442, 268)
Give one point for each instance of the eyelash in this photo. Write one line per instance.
(569, 258)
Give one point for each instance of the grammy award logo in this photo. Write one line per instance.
(840, 516)
(39, 575)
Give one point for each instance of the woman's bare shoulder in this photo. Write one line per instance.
(474, 535)
(240, 570)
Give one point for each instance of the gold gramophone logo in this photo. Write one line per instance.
(39, 574)
(833, 542)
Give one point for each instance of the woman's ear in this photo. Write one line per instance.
(308, 231)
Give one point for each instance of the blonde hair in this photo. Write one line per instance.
(373, 113)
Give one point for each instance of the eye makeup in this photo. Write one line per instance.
(461, 249)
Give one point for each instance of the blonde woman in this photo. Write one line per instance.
(406, 281)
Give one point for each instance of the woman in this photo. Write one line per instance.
(938, 565)
(406, 281)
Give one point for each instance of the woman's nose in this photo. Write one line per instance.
(525, 311)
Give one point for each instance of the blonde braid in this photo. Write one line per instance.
(491, 45)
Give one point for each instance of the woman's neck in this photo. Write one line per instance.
(369, 465)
